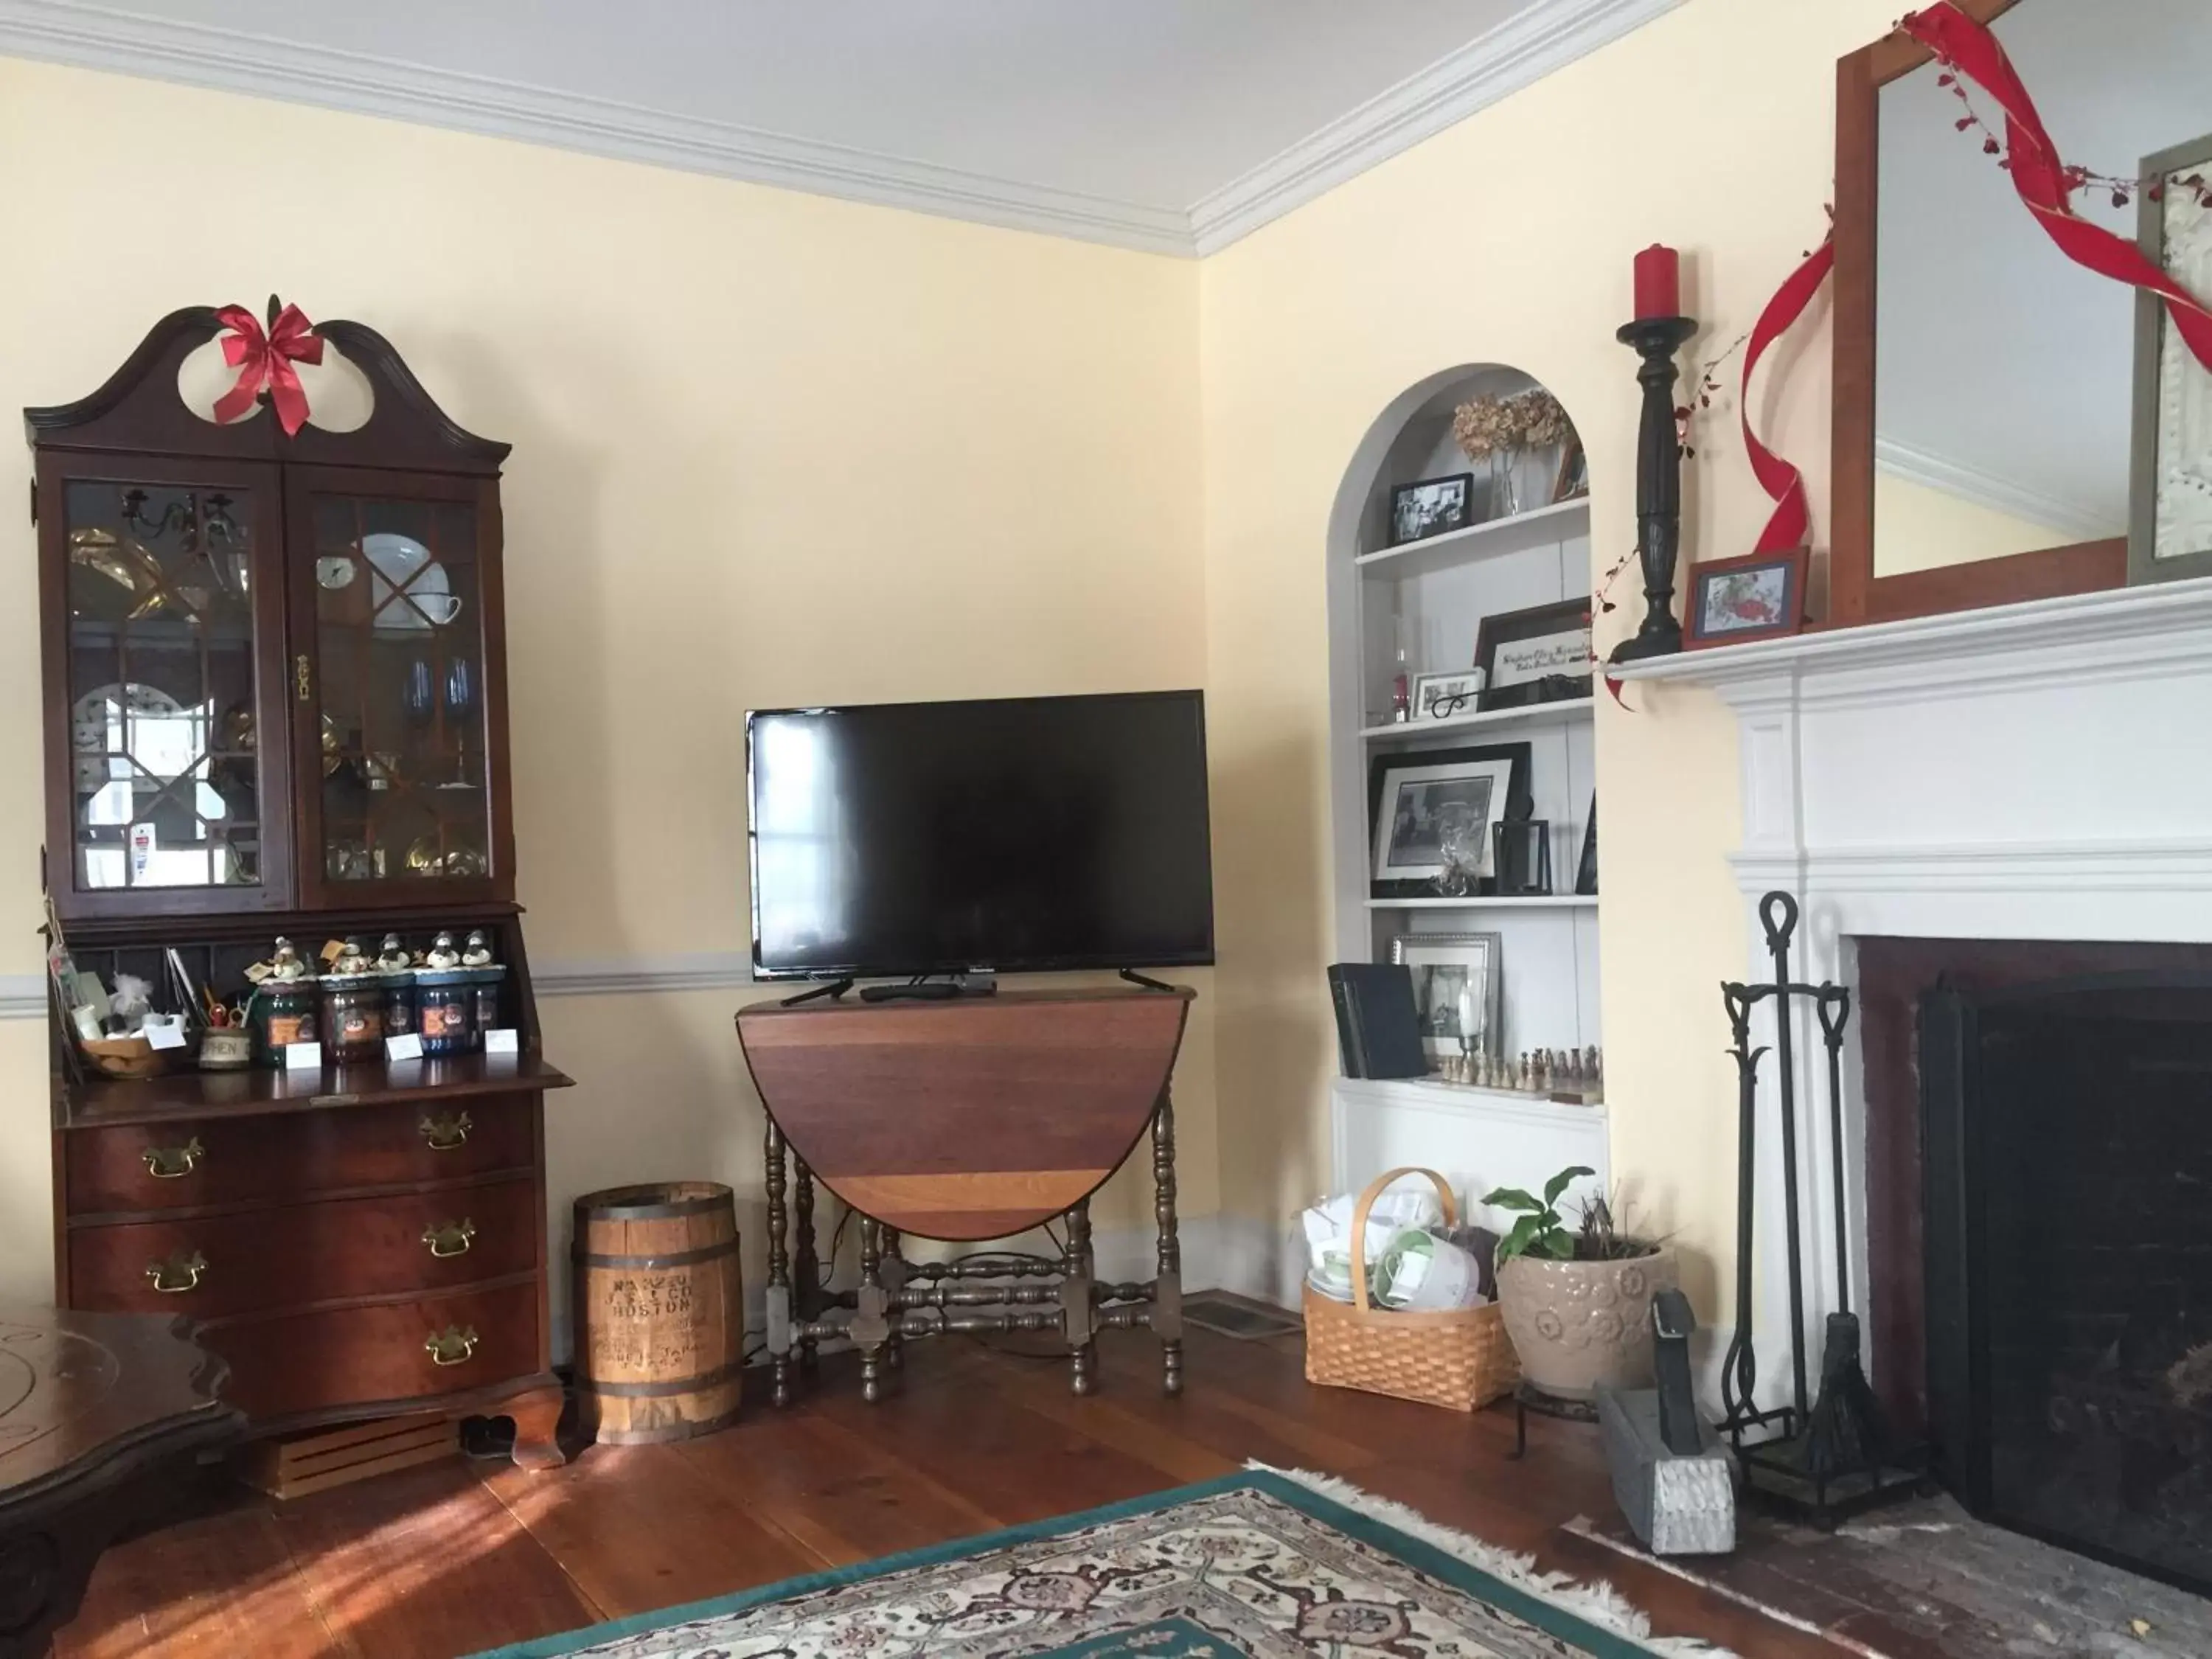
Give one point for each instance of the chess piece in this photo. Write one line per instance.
(393, 957)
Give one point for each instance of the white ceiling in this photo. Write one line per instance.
(1173, 125)
(2005, 371)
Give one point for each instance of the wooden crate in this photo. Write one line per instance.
(294, 1465)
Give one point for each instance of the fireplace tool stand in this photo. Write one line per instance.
(1821, 1462)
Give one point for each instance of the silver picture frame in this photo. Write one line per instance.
(2169, 485)
(1443, 966)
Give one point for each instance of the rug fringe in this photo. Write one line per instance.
(1597, 1602)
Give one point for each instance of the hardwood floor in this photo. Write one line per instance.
(452, 1557)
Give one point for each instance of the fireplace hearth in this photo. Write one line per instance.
(2067, 1186)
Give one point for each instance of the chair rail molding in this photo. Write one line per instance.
(1544, 36)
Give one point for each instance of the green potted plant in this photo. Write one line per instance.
(1578, 1301)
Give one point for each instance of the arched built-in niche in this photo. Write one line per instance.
(1428, 598)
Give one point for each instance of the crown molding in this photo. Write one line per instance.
(1548, 35)
(1520, 51)
(1947, 477)
(229, 60)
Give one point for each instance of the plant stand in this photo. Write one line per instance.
(1527, 1397)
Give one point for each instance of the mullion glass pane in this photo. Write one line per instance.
(399, 626)
(164, 779)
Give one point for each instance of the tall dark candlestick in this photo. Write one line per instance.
(1658, 484)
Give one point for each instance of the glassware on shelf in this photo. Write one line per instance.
(420, 693)
(460, 702)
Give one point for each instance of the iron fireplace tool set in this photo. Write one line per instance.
(1827, 1459)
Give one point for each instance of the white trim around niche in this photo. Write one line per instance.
(1546, 35)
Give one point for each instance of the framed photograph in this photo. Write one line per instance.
(1542, 654)
(1430, 507)
(1431, 811)
(1573, 482)
(1440, 696)
(1458, 990)
(1760, 596)
(2170, 499)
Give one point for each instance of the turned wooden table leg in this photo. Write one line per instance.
(1076, 1306)
(890, 1267)
(1167, 1300)
(537, 1417)
(806, 1269)
(776, 1304)
(871, 1330)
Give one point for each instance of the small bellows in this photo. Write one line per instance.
(660, 1328)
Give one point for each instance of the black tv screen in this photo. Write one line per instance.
(1031, 833)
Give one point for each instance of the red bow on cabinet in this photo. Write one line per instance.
(266, 359)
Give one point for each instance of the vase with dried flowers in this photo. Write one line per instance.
(1500, 429)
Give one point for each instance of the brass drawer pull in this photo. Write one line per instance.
(449, 1239)
(451, 1346)
(444, 1133)
(299, 676)
(173, 1163)
(180, 1274)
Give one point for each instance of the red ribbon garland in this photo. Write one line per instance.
(266, 359)
(1791, 523)
(1969, 49)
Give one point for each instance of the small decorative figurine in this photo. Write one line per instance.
(477, 953)
(350, 958)
(442, 952)
(286, 965)
(393, 955)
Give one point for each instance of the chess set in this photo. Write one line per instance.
(1572, 1076)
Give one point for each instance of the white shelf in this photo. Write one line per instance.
(1548, 902)
(1563, 713)
(1562, 521)
(1436, 1094)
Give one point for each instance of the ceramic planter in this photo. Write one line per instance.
(1581, 1326)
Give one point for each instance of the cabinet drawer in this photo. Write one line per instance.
(363, 1356)
(221, 1266)
(185, 1164)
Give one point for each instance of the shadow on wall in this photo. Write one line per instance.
(1273, 1034)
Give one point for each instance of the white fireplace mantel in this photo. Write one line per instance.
(2037, 771)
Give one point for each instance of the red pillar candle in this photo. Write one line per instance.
(1658, 282)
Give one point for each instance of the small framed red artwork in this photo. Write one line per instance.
(1760, 596)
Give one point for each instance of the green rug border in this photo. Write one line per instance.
(1423, 1556)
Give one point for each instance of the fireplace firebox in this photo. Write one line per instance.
(2066, 1176)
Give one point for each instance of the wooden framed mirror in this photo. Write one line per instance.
(1985, 388)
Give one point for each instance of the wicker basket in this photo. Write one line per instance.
(1460, 1359)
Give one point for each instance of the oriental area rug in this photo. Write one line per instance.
(1249, 1566)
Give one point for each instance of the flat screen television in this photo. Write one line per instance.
(1015, 833)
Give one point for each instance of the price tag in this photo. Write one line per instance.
(503, 1040)
(163, 1036)
(303, 1056)
(408, 1046)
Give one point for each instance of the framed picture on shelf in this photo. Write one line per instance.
(1458, 990)
(1431, 814)
(1542, 654)
(1441, 697)
(2170, 501)
(1759, 596)
(1430, 507)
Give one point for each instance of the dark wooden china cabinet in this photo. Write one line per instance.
(276, 704)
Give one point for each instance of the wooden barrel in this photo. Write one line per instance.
(660, 1321)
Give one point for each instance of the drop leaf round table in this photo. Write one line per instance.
(102, 1417)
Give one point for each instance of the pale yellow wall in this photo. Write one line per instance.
(1919, 528)
(768, 449)
(1508, 239)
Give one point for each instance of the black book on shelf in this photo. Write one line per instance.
(1378, 1030)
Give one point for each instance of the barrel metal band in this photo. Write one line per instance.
(649, 1263)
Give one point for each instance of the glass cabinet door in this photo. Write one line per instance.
(389, 582)
(176, 790)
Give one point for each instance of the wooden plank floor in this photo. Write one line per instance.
(429, 1563)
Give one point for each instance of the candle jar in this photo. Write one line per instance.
(484, 986)
(398, 1001)
(445, 1010)
(282, 1014)
(353, 1015)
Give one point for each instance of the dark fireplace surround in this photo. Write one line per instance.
(2039, 1186)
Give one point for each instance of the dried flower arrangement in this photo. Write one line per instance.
(1523, 419)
